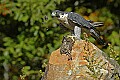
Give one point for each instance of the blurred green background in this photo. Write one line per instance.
(28, 33)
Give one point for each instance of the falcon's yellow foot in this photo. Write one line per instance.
(72, 37)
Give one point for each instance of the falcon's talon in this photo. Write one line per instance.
(72, 37)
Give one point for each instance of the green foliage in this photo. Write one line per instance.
(26, 50)
(114, 48)
(27, 38)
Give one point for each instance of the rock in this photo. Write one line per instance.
(88, 63)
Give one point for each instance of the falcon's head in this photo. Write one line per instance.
(60, 15)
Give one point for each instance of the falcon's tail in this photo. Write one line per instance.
(96, 24)
(95, 34)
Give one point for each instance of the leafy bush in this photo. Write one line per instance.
(30, 39)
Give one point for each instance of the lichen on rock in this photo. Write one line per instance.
(88, 63)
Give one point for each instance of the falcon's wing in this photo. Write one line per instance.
(76, 18)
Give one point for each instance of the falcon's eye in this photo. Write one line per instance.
(55, 13)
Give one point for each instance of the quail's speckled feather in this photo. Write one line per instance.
(66, 47)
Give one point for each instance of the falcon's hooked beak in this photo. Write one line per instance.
(55, 13)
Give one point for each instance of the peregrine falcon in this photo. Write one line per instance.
(75, 22)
